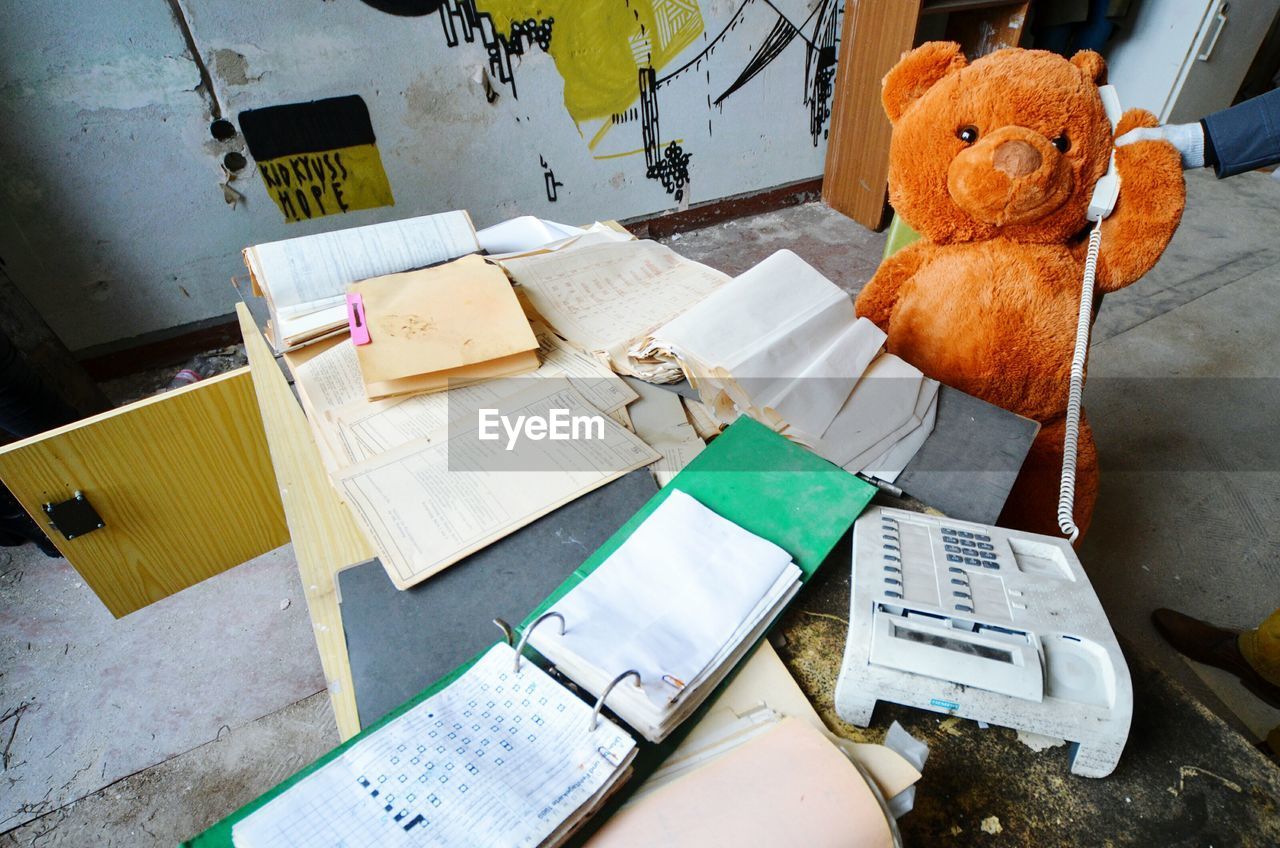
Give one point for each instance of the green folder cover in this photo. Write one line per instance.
(750, 475)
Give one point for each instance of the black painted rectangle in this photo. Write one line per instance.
(294, 128)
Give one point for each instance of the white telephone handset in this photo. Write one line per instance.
(1101, 205)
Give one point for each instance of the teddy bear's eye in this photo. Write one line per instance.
(1062, 143)
(967, 134)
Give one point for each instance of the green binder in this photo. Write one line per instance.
(750, 475)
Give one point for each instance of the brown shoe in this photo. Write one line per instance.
(1215, 646)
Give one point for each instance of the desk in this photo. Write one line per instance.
(1189, 779)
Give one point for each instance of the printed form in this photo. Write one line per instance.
(500, 757)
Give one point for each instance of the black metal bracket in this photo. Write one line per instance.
(74, 517)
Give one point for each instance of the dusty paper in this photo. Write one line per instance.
(889, 402)
(305, 279)
(750, 349)
(605, 295)
(361, 430)
(658, 418)
(424, 512)
(786, 786)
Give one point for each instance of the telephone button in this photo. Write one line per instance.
(954, 558)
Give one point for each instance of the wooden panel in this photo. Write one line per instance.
(982, 31)
(182, 481)
(875, 35)
(325, 536)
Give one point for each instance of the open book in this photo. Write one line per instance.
(501, 756)
(305, 279)
(656, 627)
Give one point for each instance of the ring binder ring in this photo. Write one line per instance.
(530, 629)
(506, 632)
(595, 713)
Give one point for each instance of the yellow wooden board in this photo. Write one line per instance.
(326, 538)
(182, 482)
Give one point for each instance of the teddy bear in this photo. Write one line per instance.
(994, 163)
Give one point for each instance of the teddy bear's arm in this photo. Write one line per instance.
(877, 298)
(1148, 209)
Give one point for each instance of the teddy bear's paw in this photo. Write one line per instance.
(1134, 118)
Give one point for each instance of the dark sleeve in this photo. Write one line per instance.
(1246, 136)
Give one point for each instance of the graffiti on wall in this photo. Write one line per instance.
(318, 158)
(618, 61)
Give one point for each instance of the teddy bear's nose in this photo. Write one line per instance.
(1016, 158)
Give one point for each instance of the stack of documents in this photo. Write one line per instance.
(304, 280)
(441, 327)
(501, 756)
(606, 293)
(802, 364)
(679, 603)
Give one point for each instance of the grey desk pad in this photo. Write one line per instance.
(400, 642)
(968, 464)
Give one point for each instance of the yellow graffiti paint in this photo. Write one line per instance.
(327, 182)
(600, 45)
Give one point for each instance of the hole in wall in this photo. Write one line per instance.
(222, 129)
(234, 161)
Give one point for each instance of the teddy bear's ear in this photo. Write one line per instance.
(1093, 66)
(916, 72)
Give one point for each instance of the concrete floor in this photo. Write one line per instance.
(1183, 396)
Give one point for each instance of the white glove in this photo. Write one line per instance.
(1188, 138)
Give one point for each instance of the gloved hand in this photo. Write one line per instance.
(1188, 138)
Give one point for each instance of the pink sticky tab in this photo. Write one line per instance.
(356, 319)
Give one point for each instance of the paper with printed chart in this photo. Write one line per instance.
(499, 757)
(362, 429)
(305, 279)
(606, 296)
(430, 502)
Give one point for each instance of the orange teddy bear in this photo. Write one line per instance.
(994, 164)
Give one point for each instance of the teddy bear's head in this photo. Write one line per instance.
(1010, 145)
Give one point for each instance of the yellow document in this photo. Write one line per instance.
(431, 502)
(787, 785)
(606, 296)
(445, 326)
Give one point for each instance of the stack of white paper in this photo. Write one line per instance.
(679, 602)
(782, 344)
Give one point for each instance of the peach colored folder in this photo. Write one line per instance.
(787, 786)
(439, 327)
